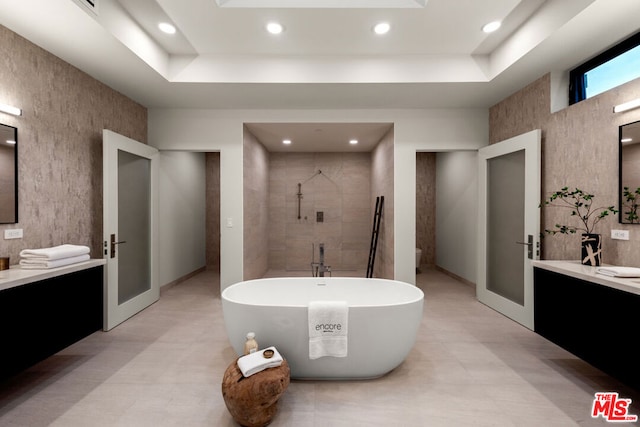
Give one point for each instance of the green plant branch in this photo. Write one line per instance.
(581, 205)
(631, 206)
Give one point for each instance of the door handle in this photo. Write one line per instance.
(529, 244)
(113, 245)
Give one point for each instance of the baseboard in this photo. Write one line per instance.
(455, 276)
(179, 280)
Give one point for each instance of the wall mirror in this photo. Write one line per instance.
(8, 174)
(629, 187)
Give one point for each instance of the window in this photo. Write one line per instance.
(616, 66)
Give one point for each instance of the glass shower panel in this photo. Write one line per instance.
(134, 231)
(505, 266)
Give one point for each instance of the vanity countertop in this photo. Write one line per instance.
(16, 276)
(588, 273)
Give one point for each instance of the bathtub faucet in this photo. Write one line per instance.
(323, 268)
(318, 268)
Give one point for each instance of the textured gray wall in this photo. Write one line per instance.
(579, 149)
(60, 144)
(382, 184)
(426, 207)
(256, 207)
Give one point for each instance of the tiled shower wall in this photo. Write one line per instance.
(59, 144)
(580, 149)
(334, 185)
(426, 207)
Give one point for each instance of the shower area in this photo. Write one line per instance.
(300, 206)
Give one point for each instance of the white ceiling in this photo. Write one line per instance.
(212, 30)
(319, 137)
(435, 56)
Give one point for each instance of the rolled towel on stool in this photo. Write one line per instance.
(259, 361)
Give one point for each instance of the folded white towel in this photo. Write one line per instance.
(40, 264)
(55, 252)
(328, 328)
(256, 362)
(619, 271)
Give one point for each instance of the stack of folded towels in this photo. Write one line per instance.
(53, 257)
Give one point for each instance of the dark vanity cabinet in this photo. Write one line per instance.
(40, 318)
(595, 322)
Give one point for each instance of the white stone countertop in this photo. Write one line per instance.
(588, 273)
(16, 276)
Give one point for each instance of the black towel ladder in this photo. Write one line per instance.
(374, 234)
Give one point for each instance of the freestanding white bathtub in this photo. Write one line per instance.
(384, 316)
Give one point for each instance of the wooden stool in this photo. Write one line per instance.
(252, 401)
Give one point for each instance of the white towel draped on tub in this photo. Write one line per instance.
(328, 329)
(55, 252)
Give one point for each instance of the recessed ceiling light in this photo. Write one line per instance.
(491, 26)
(353, 141)
(382, 28)
(622, 140)
(275, 28)
(165, 27)
(286, 141)
(10, 141)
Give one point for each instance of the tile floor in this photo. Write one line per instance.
(470, 367)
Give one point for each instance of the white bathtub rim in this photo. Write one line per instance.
(419, 298)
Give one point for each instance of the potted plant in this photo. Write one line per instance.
(630, 205)
(581, 205)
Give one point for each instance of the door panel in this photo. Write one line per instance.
(130, 227)
(505, 181)
(134, 211)
(509, 225)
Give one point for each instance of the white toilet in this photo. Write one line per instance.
(418, 257)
